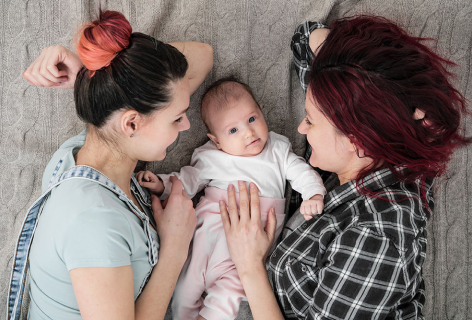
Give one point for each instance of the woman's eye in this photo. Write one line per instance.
(252, 119)
(233, 130)
(179, 119)
(307, 121)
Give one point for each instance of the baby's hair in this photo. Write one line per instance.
(220, 93)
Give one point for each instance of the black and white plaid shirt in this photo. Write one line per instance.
(362, 258)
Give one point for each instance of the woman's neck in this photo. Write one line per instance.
(105, 157)
(351, 171)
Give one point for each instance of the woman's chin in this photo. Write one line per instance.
(161, 156)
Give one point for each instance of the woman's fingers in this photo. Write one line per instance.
(28, 77)
(55, 67)
(255, 203)
(244, 205)
(156, 205)
(44, 71)
(271, 225)
(36, 73)
(232, 206)
(225, 217)
(177, 186)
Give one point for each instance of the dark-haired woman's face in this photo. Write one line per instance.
(165, 124)
(331, 150)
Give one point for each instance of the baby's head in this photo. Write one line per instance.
(234, 119)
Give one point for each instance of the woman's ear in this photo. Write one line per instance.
(214, 139)
(131, 122)
(353, 146)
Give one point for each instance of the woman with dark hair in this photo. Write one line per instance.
(103, 248)
(384, 118)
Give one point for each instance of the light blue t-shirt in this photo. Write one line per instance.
(83, 224)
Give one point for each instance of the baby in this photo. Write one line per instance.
(240, 148)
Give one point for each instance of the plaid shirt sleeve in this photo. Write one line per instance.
(302, 57)
(302, 54)
(361, 277)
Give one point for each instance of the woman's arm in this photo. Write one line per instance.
(317, 38)
(108, 293)
(57, 66)
(248, 244)
(200, 61)
(175, 226)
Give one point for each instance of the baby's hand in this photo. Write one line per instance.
(311, 207)
(151, 181)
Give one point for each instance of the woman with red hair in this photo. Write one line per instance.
(382, 115)
(103, 247)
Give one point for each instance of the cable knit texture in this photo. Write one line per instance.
(251, 39)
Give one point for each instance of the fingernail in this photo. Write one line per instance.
(230, 187)
(241, 182)
(252, 185)
(222, 202)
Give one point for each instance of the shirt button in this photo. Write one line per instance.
(274, 255)
(304, 225)
(304, 268)
(288, 263)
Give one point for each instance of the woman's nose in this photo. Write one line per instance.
(302, 127)
(185, 124)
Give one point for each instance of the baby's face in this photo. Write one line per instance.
(240, 128)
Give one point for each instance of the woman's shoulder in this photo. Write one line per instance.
(392, 209)
(64, 153)
(76, 198)
(398, 212)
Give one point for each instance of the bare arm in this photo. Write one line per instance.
(200, 61)
(57, 66)
(108, 293)
(248, 244)
(317, 38)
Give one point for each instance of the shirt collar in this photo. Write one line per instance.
(348, 191)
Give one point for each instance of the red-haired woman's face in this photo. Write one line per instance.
(332, 151)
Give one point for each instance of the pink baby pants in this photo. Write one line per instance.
(209, 268)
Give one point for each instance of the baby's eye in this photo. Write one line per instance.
(252, 119)
(233, 130)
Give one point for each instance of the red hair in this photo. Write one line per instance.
(368, 79)
(102, 39)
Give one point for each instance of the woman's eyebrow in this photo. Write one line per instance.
(183, 111)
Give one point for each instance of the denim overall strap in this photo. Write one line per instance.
(20, 261)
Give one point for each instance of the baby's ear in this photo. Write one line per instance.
(214, 139)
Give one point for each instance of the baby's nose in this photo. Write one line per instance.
(250, 132)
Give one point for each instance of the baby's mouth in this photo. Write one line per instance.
(254, 142)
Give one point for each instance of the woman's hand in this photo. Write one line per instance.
(248, 244)
(247, 240)
(55, 67)
(176, 223)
